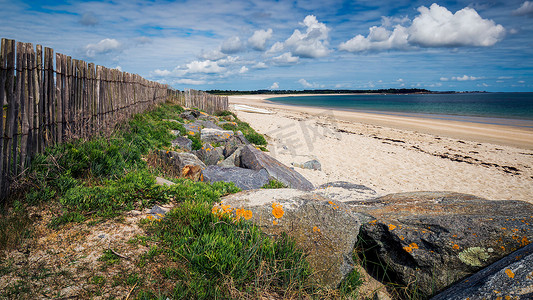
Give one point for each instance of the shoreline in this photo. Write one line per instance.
(395, 154)
(478, 129)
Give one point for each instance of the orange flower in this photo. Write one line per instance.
(247, 214)
(239, 213)
(316, 229)
(277, 210)
(455, 246)
(274, 222)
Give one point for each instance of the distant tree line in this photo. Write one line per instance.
(325, 91)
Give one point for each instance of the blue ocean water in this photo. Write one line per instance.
(517, 106)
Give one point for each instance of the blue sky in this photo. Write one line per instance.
(299, 44)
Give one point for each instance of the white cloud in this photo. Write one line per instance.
(438, 27)
(466, 78)
(400, 80)
(212, 55)
(260, 65)
(102, 47)
(206, 66)
(231, 45)
(243, 69)
(259, 38)
(379, 39)
(311, 44)
(274, 86)
(434, 27)
(286, 59)
(305, 83)
(189, 81)
(521, 81)
(444, 79)
(505, 77)
(525, 9)
(118, 68)
(161, 73)
(277, 47)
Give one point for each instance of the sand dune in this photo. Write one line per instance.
(391, 153)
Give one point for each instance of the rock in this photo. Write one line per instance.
(345, 191)
(210, 135)
(163, 181)
(429, 240)
(210, 155)
(254, 159)
(182, 142)
(190, 115)
(310, 164)
(245, 179)
(509, 278)
(325, 230)
(185, 164)
(192, 128)
(240, 136)
(232, 144)
(158, 212)
(234, 160)
(206, 124)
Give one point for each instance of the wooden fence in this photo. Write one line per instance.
(199, 99)
(43, 105)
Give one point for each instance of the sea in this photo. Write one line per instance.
(512, 109)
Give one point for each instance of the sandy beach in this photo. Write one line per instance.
(391, 153)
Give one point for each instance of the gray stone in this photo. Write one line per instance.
(158, 212)
(245, 179)
(184, 164)
(252, 158)
(310, 164)
(241, 137)
(326, 230)
(234, 160)
(509, 278)
(209, 155)
(192, 128)
(232, 144)
(210, 135)
(207, 124)
(190, 115)
(163, 181)
(345, 191)
(175, 132)
(182, 142)
(429, 240)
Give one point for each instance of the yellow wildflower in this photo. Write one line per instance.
(247, 214)
(316, 229)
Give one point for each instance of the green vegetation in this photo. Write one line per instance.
(249, 133)
(192, 253)
(274, 184)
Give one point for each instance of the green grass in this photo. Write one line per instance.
(249, 133)
(224, 258)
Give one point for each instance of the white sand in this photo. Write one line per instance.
(392, 154)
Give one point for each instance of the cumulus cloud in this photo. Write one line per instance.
(435, 26)
(161, 73)
(305, 83)
(243, 69)
(258, 40)
(285, 59)
(311, 44)
(379, 39)
(88, 19)
(231, 45)
(211, 55)
(274, 86)
(102, 47)
(525, 10)
(189, 81)
(206, 66)
(438, 27)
